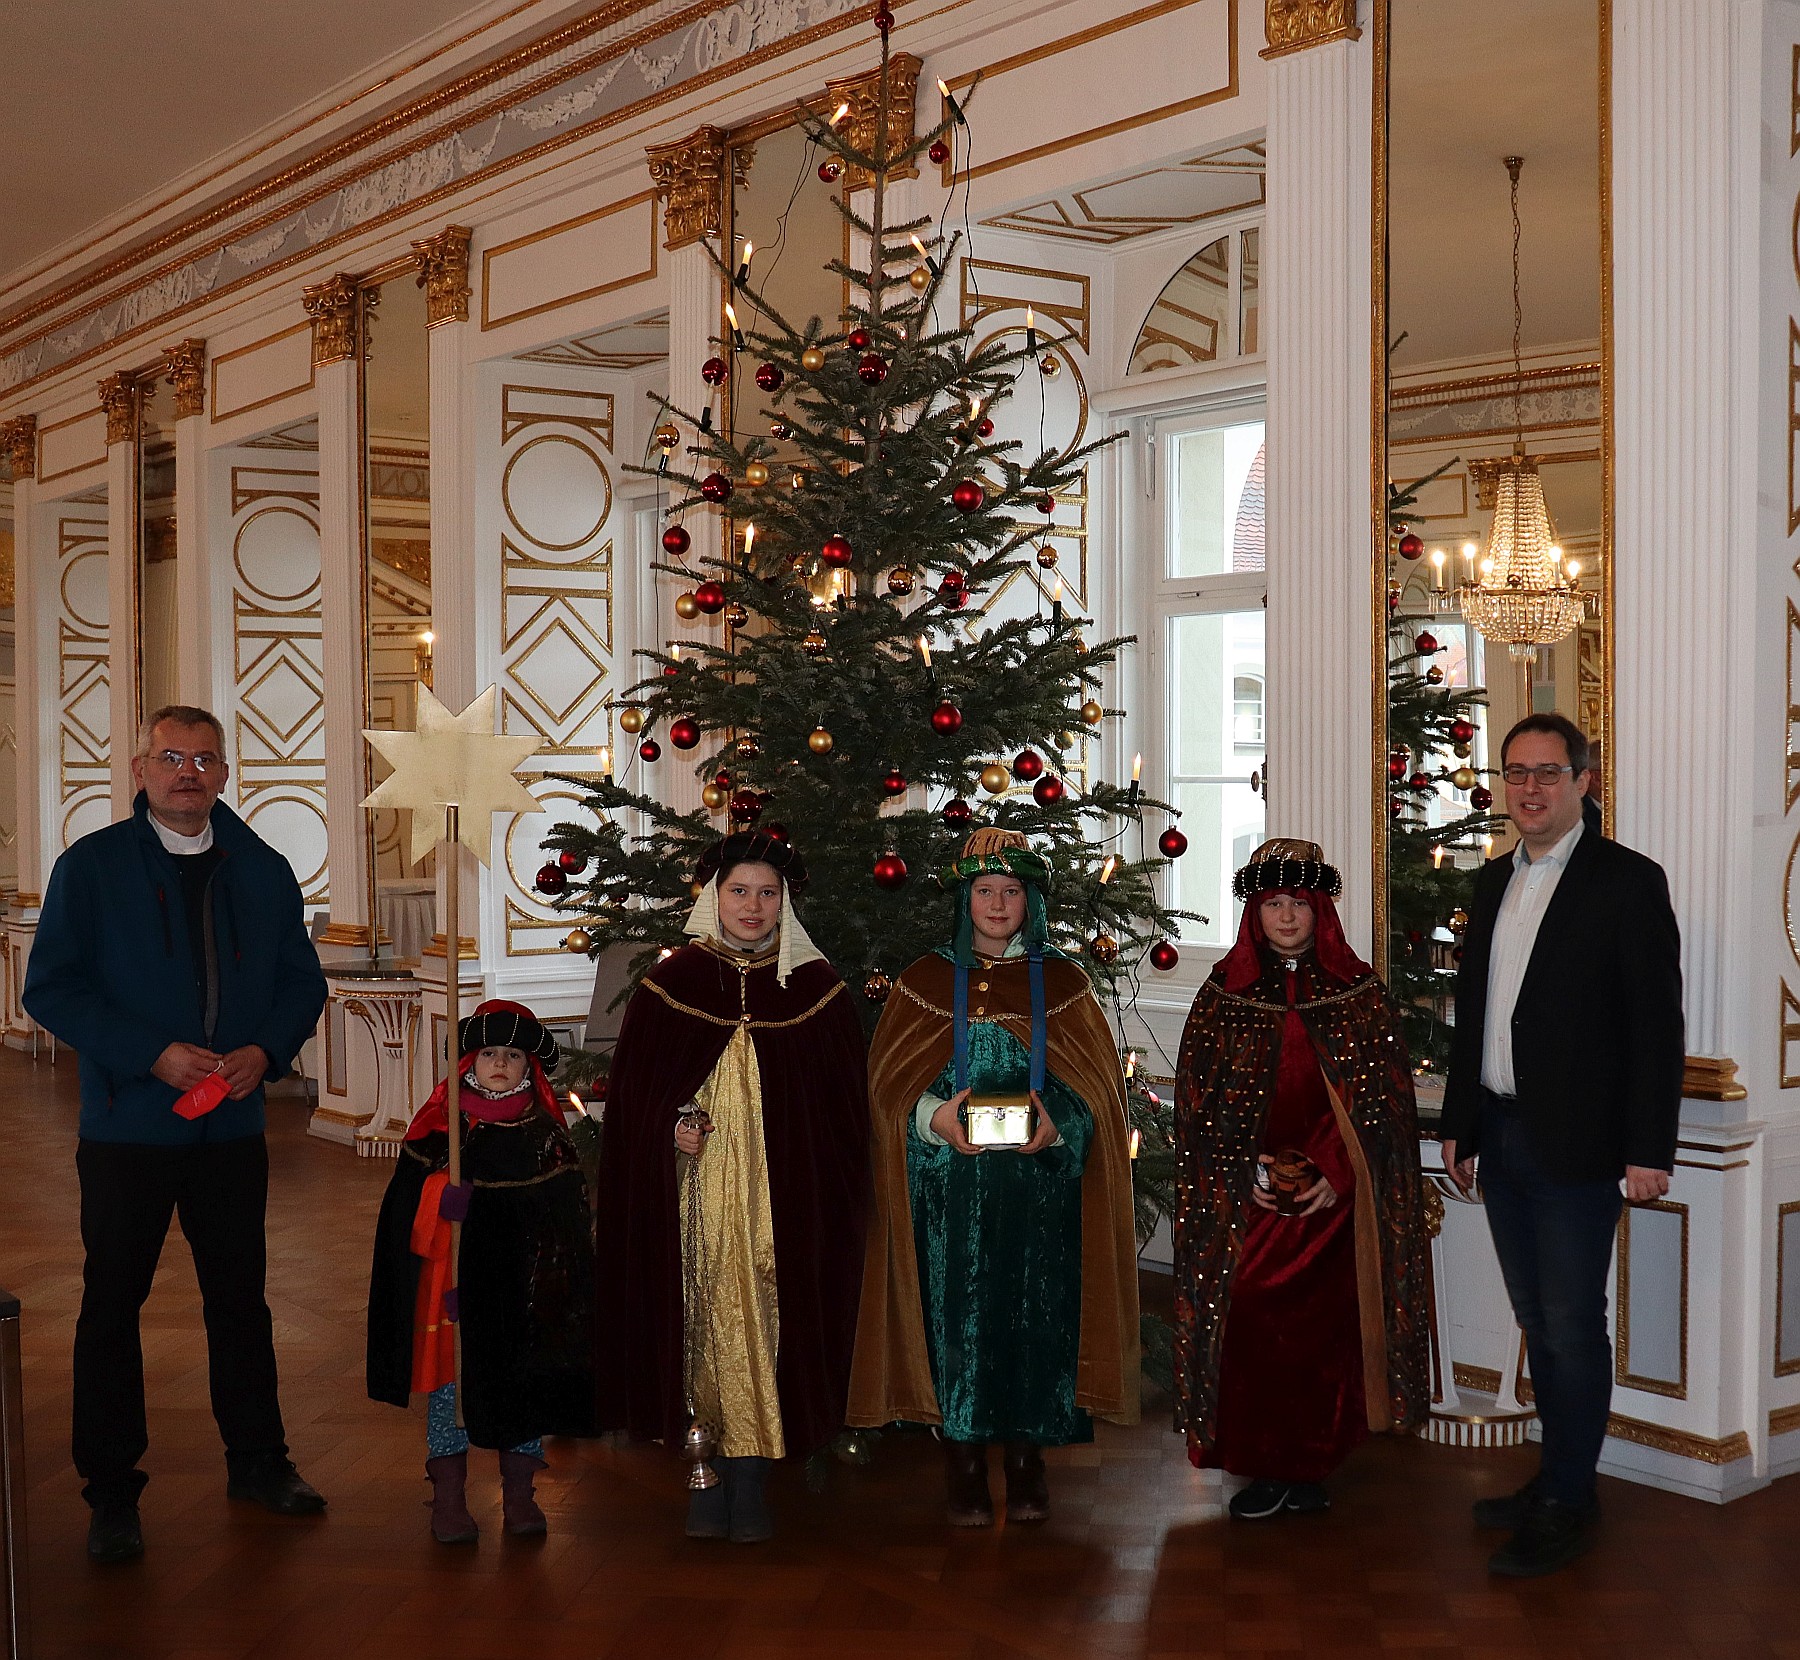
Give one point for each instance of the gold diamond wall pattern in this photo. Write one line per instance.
(556, 619)
(83, 695)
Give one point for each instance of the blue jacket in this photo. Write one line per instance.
(111, 974)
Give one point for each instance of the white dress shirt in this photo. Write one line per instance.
(1528, 896)
(174, 842)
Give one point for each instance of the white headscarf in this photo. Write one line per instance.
(796, 945)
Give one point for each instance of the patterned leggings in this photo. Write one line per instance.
(444, 1438)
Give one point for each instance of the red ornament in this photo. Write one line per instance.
(1420, 781)
(1425, 644)
(829, 171)
(1171, 844)
(676, 541)
(746, 807)
(1397, 765)
(1048, 790)
(968, 495)
(957, 813)
(1046, 504)
(650, 749)
(984, 428)
(713, 371)
(953, 582)
(1462, 731)
(954, 599)
(939, 152)
(716, 487)
(872, 371)
(573, 863)
(1393, 806)
(946, 719)
(889, 871)
(551, 880)
(1164, 956)
(1481, 798)
(710, 597)
(859, 340)
(893, 783)
(769, 376)
(836, 551)
(1411, 546)
(776, 829)
(684, 732)
(1027, 764)
(884, 18)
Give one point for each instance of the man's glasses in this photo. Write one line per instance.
(173, 760)
(1547, 774)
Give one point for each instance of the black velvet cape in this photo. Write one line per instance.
(526, 1282)
(814, 1077)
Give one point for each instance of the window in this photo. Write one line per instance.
(1208, 311)
(1247, 712)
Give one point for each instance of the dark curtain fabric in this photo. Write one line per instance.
(1358, 1283)
(814, 1079)
(526, 1282)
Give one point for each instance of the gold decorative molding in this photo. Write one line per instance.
(346, 933)
(185, 368)
(439, 947)
(1682, 1443)
(332, 306)
(1294, 25)
(119, 398)
(444, 275)
(18, 438)
(1784, 1420)
(690, 177)
(1711, 1078)
(863, 94)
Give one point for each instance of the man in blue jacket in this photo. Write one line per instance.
(172, 947)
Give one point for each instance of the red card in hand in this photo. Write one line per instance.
(204, 1096)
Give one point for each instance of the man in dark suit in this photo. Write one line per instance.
(1565, 1077)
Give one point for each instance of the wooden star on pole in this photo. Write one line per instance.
(453, 761)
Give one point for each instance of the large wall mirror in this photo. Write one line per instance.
(1498, 549)
(157, 615)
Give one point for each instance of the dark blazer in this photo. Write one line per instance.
(1598, 1046)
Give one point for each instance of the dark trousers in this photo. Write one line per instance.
(1555, 1243)
(128, 1194)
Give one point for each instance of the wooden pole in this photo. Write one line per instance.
(453, 1084)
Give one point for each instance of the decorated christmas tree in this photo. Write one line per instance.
(841, 538)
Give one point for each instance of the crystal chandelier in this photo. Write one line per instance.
(1524, 596)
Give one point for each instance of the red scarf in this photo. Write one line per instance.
(1244, 962)
(435, 1116)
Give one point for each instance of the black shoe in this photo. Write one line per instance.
(114, 1533)
(1551, 1537)
(276, 1486)
(1508, 1511)
(1260, 1500)
(968, 1501)
(746, 1501)
(1308, 1498)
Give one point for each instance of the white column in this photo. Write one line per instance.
(122, 609)
(194, 669)
(1316, 274)
(34, 672)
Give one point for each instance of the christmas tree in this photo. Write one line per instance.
(865, 698)
(1431, 731)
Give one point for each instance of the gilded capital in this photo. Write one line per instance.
(18, 438)
(332, 306)
(1294, 25)
(863, 94)
(444, 275)
(185, 367)
(119, 398)
(690, 177)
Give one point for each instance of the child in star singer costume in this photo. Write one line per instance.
(524, 1297)
(1000, 1286)
(734, 1174)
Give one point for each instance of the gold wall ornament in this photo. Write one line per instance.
(332, 306)
(1294, 25)
(119, 398)
(444, 275)
(690, 177)
(1711, 1078)
(18, 438)
(863, 94)
(184, 366)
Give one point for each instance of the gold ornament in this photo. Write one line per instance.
(631, 721)
(1459, 922)
(799, 478)
(1092, 713)
(900, 581)
(687, 608)
(1064, 739)
(876, 987)
(819, 741)
(748, 748)
(1046, 557)
(668, 435)
(1049, 368)
(578, 940)
(715, 796)
(1463, 778)
(1078, 643)
(995, 778)
(736, 615)
(756, 473)
(814, 644)
(1463, 752)
(812, 360)
(1104, 949)
(920, 279)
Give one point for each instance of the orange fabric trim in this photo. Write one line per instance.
(434, 1337)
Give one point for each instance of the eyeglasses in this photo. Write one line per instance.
(1547, 774)
(174, 760)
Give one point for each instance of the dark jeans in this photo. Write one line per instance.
(1555, 1243)
(128, 1194)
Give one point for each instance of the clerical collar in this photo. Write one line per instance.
(174, 842)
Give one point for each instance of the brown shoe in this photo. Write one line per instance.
(451, 1523)
(1027, 1485)
(969, 1504)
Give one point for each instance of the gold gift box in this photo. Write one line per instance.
(999, 1120)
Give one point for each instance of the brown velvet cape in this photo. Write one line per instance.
(912, 1045)
(1224, 1083)
(809, 1052)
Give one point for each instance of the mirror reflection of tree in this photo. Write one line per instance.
(158, 619)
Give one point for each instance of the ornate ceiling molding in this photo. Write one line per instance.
(689, 175)
(333, 307)
(444, 275)
(119, 398)
(185, 366)
(863, 94)
(18, 439)
(1294, 25)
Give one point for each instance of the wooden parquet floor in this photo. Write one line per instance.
(1136, 1561)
